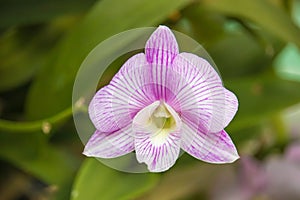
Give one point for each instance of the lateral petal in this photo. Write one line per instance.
(110, 145)
(209, 147)
(114, 106)
(203, 101)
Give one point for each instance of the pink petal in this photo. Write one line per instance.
(210, 147)
(101, 112)
(134, 87)
(253, 176)
(158, 149)
(161, 48)
(283, 179)
(110, 145)
(231, 107)
(292, 153)
(114, 106)
(203, 101)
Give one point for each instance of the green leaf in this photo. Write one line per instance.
(250, 60)
(224, 38)
(96, 181)
(25, 50)
(287, 63)
(260, 98)
(202, 24)
(261, 12)
(186, 182)
(296, 12)
(17, 64)
(19, 12)
(31, 153)
(52, 90)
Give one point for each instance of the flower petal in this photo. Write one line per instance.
(133, 88)
(282, 179)
(114, 106)
(158, 148)
(292, 153)
(210, 147)
(110, 145)
(231, 107)
(161, 48)
(101, 112)
(203, 101)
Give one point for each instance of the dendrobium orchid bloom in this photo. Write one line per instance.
(161, 101)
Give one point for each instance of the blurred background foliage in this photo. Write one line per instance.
(254, 43)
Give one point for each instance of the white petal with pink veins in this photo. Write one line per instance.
(209, 147)
(110, 145)
(114, 106)
(161, 47)
(204, 101)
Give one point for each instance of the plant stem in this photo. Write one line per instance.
(44, 125)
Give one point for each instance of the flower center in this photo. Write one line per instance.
(157, 119)
(162, 118)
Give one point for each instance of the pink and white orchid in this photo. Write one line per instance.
(161, 101)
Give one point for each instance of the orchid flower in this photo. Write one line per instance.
(162, 101)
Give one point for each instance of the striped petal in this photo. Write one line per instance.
(209, 147)
(110, 145)
(203, 100)
(161, 48)
(157, 143)
(114, 106)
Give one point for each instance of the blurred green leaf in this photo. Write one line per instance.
(249, 61)
(184, 182)
(261, 12)
(225, 38)
(18, 12)
(17, 65)
(32, 154)
(202, 24)
(287, 63)
(296, 12)
(260, 97)
(52, 90)
(96, 181)
(24, 50)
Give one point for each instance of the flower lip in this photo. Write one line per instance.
(153, 142)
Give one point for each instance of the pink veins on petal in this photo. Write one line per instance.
(161, 101)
